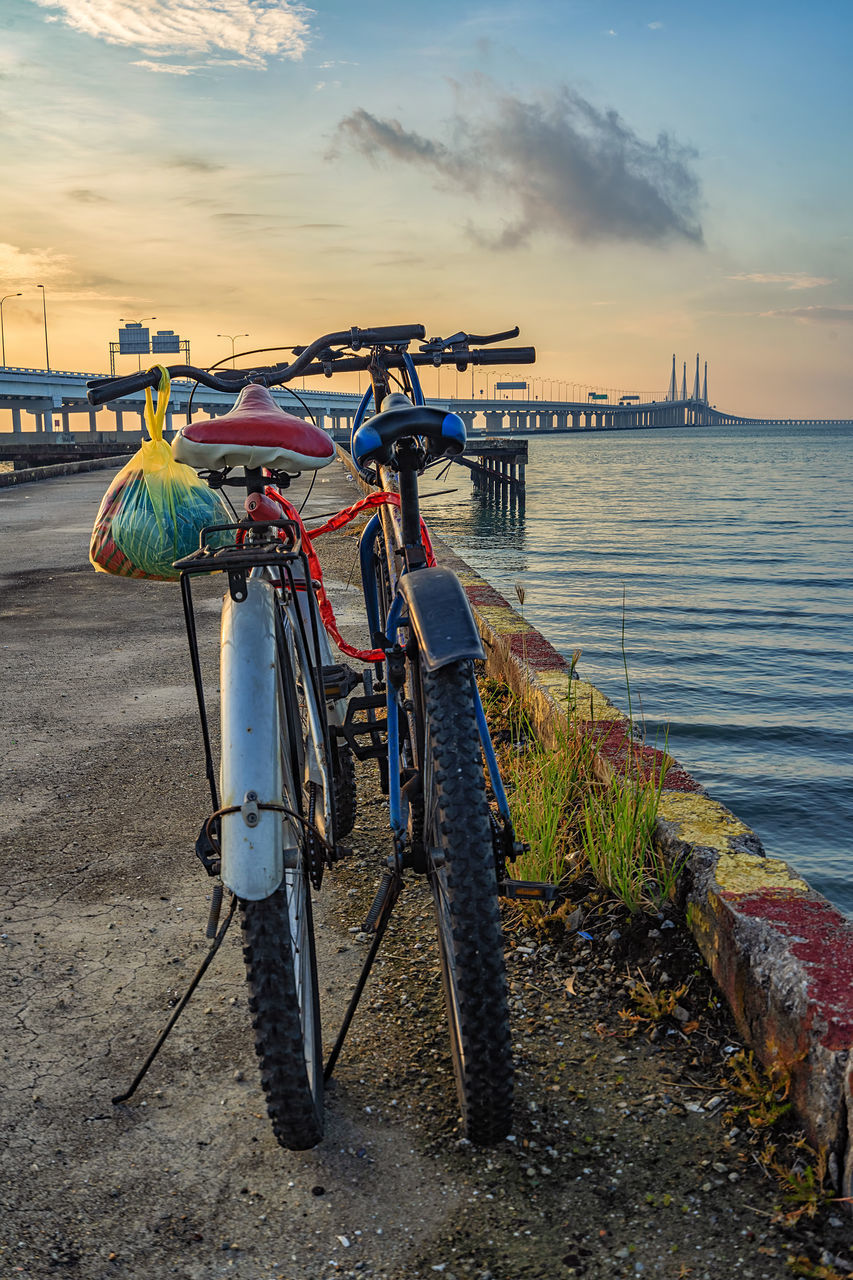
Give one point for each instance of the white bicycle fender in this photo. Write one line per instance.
(253, 840)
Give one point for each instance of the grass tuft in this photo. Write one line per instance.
(617, 834)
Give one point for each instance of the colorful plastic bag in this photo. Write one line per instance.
(155, 508)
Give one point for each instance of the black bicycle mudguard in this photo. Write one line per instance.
(440, 616)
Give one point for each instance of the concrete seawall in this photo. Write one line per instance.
(780, 952)
(28, 474)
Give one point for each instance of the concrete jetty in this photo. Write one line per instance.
(103, 907)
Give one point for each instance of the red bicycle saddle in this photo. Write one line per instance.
(255, 433)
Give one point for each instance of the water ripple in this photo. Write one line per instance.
(726, 555)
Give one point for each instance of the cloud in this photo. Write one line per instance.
(26, 266)
(194, 164)
(790, 279)
(655, 26)
(559, 166)
(83, 195)
(233, 216)
(60, 274)
(255, 29)
(814, 315)
(168, 68)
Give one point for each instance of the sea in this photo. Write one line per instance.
(715, 564)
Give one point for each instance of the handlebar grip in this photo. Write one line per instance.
(502, 355)
(101, 391)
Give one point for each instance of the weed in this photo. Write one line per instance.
(546, 798)
(567, 817)
(804, 1183)
(763, 1095)
(802, 1265)
(654, 1006)
(617, 833)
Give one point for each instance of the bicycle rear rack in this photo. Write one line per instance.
(241, 556)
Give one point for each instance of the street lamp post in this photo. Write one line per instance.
(233, 338)
(2, 330)
(44, 309)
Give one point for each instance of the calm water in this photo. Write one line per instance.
(733, 550)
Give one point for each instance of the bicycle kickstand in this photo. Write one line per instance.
(375, 922)
(179, 1007)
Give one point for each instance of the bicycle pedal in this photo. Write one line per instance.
(527, 890)
(339, 680)
(207, 852)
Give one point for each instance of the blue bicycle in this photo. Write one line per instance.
(437, 736)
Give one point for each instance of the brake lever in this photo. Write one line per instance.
(461, 342)
(494, 337)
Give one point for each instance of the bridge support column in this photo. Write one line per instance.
(494, 421)
(16, 420)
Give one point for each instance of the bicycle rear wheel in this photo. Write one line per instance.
(461, 872)
(281, 965)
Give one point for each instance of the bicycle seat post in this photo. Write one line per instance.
(408, 461)
(255, 482)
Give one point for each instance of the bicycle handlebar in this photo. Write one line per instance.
(319, 358)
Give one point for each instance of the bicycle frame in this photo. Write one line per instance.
(412, 607)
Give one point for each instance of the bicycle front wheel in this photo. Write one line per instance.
(461, 872)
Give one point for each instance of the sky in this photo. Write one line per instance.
(623, 179)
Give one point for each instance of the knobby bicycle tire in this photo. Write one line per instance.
(282, 977)
(281, 968)
(346, 793)
(461, 871)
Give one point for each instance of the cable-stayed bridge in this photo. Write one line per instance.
(49, 407)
